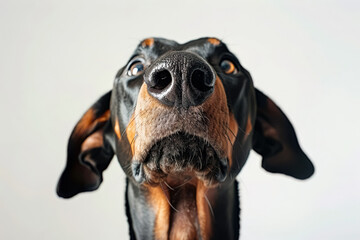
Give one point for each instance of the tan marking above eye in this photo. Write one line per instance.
(214, 41)
(147, 42)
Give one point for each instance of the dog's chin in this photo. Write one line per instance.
(180, 158)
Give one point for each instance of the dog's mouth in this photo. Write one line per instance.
(181, 156)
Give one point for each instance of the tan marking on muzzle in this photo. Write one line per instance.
(232, 133)
(216, 110)
(155, 121)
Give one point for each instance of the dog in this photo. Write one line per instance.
(181, 119)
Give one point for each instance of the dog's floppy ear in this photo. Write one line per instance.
(89, 152)
(275, 140)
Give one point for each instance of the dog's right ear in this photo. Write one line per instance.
(89, 152)
(275, 140)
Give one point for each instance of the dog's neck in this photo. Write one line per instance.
(183, 211)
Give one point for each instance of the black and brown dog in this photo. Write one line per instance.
(181, 119)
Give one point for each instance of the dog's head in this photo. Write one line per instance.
(181, 111)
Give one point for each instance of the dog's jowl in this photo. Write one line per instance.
(181, 120)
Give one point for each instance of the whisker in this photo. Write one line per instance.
(168, 199)
(239, 128)
(136, 116)
(184, 182)
(208, 188)
(132, 141)
(210, 207)
(133, 119)
(130, 122)
(233, 143)
(227, 136)
(229, 129)
(168, 186)
(128, 167)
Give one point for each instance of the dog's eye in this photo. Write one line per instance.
(228, 67)
(136, 68)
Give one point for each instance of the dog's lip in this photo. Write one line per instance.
(139, 175)
(146, 150)
(138, 165)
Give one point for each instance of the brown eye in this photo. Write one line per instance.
(228, 67)
(136, 68)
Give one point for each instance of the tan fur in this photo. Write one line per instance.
(117, 129)
(155, 121)
(184, 222)
(203, 211)
(214, 41)
(130, 134)
(248, 128)
(161, 207)
(84, 123)
(147, 42)
(232, 133)
(93, 141)
(88, 122)
(190, 214)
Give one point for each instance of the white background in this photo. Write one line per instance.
(58, 57)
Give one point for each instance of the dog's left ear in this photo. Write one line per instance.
(89, 151)
(275, 140)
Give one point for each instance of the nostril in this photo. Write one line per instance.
(161, 79)
(199, 81)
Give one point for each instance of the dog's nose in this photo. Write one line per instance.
(180, 79)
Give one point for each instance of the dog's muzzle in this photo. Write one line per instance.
(179, 118)
(181, 154)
